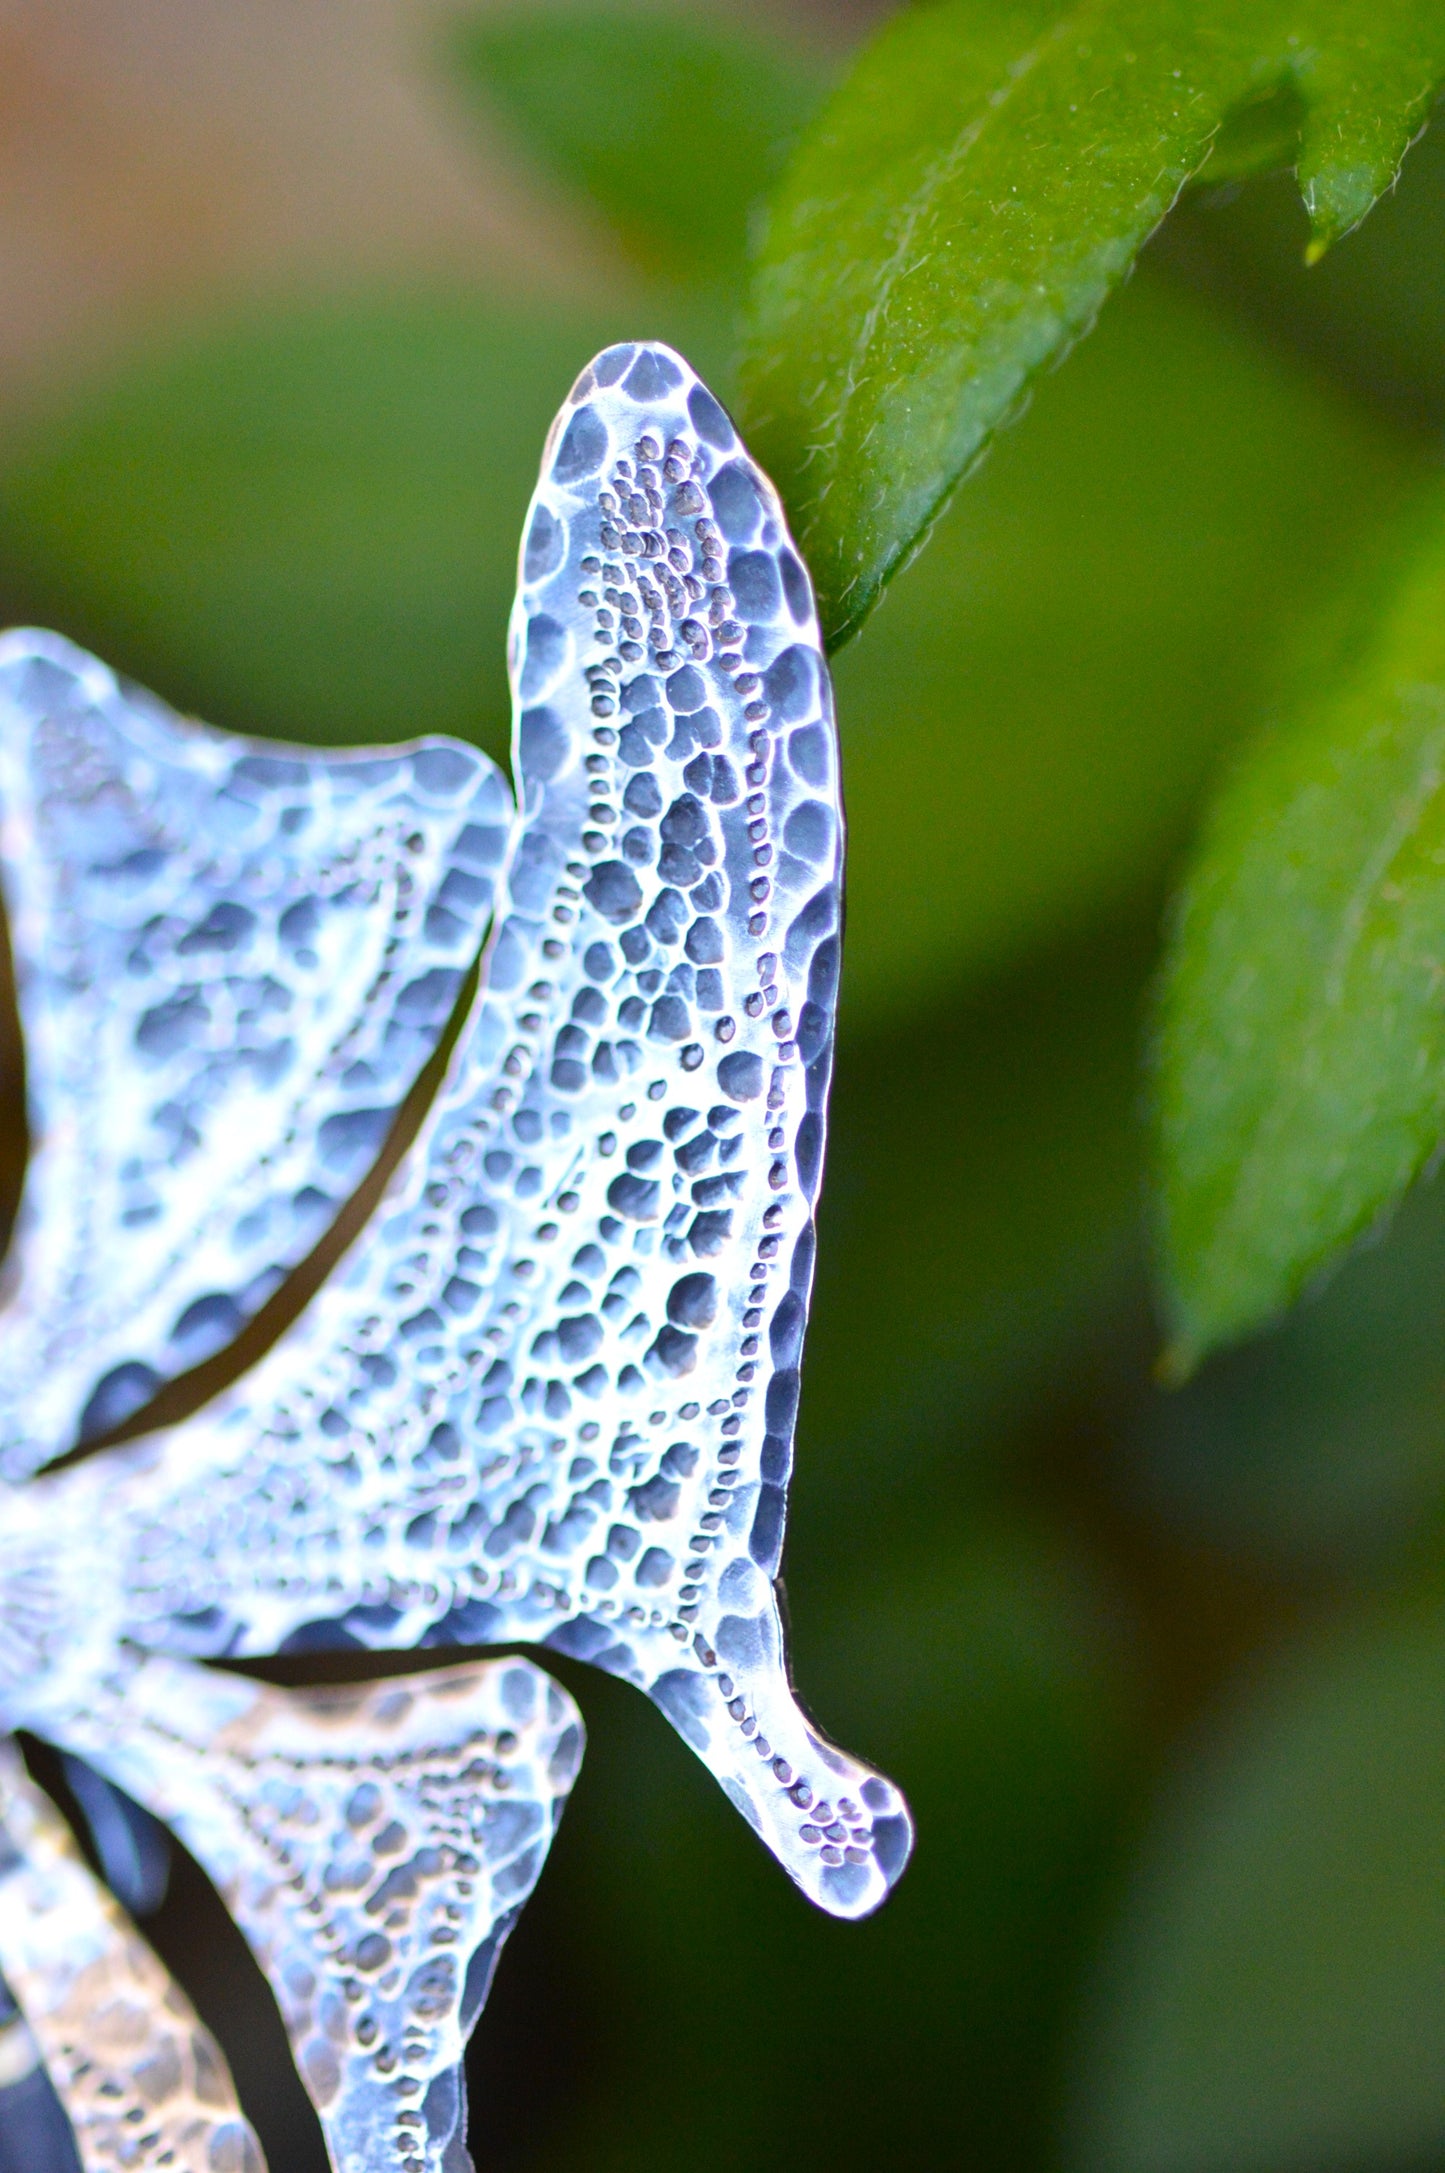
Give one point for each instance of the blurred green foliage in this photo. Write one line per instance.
(978, 1225)
(303, 521)
(1318, 1447)
(995, 1682)
(1175, 1907)
(1273, 1997)
(673, 129)
(1302, 1046)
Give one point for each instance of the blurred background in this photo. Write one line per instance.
(291, 289)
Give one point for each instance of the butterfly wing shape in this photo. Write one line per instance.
(143, 2083)
(374, 1844)
(231, 959)
(552, 1394)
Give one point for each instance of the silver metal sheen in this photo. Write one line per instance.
(549, 1394)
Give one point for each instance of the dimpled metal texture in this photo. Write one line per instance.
(549, 1395)
(231, 960)
(375, 1846)
(144, 2083)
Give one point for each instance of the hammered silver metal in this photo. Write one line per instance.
(231, 960)
(549, 1395)
(374, 1844)
(145, 2085)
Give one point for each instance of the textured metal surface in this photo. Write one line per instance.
(375, 1846)
(143, 2082)
(549, 1396)
(231, 961)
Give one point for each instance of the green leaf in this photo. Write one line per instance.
(1028, 721)
(967, 200)
(672, 123)
(1276, 1994)
(1302, 1043)
(1372, 314)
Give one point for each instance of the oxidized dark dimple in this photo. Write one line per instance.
(613, 890)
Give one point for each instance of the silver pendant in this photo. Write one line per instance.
(549, 1394)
